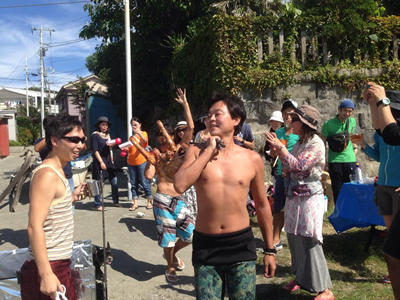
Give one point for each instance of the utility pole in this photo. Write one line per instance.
(26, 80)
(42, 53)
(128, 68)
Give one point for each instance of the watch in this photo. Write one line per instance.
(270, 251)
(384, 101)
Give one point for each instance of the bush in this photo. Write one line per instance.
(14, 143)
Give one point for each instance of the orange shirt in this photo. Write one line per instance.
(135, 158)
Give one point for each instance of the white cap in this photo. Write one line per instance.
(180, 124)
(276, 116)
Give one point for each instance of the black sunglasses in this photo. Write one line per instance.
(295, 118)
(75, 139)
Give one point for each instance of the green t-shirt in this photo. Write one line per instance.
(332, 127)
(291, 141)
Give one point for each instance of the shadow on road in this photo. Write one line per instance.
(129, 266)
(19, 238)
(145, 226)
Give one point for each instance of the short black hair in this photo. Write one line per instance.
(58, 126)
(136, 119)
(235, 107)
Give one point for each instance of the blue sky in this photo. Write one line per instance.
(63, 63)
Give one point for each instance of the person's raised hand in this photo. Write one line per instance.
(374, 92)
(181, 96)
(273, 141)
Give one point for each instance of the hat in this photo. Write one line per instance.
(103, 119)
(394, 97)
(289, 103)
(180, 124)
(346, 103)
(308, 115)
(276, 116)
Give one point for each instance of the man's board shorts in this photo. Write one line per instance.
(173, 219)
(225, 258)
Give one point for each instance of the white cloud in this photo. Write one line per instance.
(17, 42)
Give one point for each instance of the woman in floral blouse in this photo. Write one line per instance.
(304, 208)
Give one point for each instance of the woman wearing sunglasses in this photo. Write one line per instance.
(305, 207)
(103, 160)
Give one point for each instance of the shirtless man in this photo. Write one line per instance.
(171, 214)
(223, 243)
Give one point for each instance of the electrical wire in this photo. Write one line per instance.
(43, 4)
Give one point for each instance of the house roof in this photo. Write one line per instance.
(92, 81)
(6, 95)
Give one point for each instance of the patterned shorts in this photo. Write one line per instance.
(240, 279)
(172, 219)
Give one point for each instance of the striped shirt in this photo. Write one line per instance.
(59, 223)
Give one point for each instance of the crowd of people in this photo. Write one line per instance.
(204, 181)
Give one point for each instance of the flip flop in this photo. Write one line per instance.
(149, 206)
(133, 207)
(179, 266)
(292, 286)
(171, 278)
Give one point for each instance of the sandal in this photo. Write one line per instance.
(100, 208)
(386, 279)
(171, 277)
(149, 205)
(134, 206)
(292, 286)
(179, 265)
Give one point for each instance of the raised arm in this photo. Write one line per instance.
(181, 99)
(193, 165)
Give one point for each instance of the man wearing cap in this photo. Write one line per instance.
(286, 135)
(382, 118)
(341, 164)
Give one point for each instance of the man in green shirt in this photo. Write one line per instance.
(341, 164)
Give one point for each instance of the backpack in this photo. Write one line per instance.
(339, 141)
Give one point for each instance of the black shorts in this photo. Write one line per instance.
(391, 246)
(222, 249)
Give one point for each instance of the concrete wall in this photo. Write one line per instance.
(325, 99)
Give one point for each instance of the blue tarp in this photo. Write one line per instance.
(355, 207)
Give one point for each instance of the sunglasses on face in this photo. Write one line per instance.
(295, 118)
(75, 139)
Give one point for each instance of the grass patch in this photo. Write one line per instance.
(355, 272)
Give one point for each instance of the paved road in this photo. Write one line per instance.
(137, 271)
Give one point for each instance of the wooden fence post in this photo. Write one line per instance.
(325, 52)
(314, 44)
(281, 40)
(395, 47)
(270, 43)
(260, 51)
(303, 48)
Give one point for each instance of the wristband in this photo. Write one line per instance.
(270, 251)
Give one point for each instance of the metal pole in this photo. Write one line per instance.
(103, 220)
(41, 80)
(26, 80)
(128, 68)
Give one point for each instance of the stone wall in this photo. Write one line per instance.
(325, 99)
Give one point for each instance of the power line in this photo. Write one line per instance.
(65, 43)
(43, 4)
